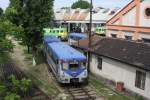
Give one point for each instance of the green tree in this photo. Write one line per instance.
(80, 4)
(12, 96)
(33, 16)
(1, 11)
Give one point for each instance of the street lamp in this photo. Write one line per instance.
(89, 35)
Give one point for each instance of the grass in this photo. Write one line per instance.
(50, 89)
(37, 74)
(4, 57)
(106, 92)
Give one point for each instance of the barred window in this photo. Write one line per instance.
(140, 79)
(128, 37)
(114, 35)
(99, 66)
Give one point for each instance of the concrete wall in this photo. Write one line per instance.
(117, 71)
(144, 35)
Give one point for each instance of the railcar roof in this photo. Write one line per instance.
(80, 35)
(65, 52)
(50, 39)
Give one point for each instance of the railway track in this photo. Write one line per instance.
(10, 69)
(75, 91)
(81, 93)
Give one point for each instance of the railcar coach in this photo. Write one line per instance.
(75, 37)
(57, 32)
(67, 64)
(100, 31)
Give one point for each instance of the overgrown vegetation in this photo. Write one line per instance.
(4, 57)
(104, 91)
(14, 89)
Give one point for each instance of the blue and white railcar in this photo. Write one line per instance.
(67, 64)
(75, 37)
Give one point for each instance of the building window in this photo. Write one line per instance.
(99, 66)
(140, 80)
(145, 40)
(147, 12)
(114, 35)
(128, 37)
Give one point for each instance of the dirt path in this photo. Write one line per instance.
(39, 74)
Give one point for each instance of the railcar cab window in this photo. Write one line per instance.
(73, 66)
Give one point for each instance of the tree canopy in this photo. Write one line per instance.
(1, 11)
(80, 4)
(32, 16)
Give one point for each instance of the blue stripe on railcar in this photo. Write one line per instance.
(77, 36)
(50, 39)
(74, 73)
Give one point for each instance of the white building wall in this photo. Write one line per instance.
(144, 35)
(143, 20)
(129, 18)
(116, 23)
(117, 71)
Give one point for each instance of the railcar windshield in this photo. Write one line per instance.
(73, 66)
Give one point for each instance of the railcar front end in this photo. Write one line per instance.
(73, 72)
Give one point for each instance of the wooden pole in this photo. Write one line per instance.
(89, 35)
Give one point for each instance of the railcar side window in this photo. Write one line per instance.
(57, 31)
(83, 65)
(65, 66)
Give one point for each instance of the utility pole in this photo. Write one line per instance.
(89, 35)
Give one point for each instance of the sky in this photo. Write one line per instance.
(63, 3)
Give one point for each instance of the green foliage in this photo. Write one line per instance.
(25, 85)
(1, 11)
(32, 16)
(80, 4)
(105, 91)
(8, 28)
(12, 96)
(3, 90)
(6, 45)
(20, 86)
(4, 57)
(15, 89)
